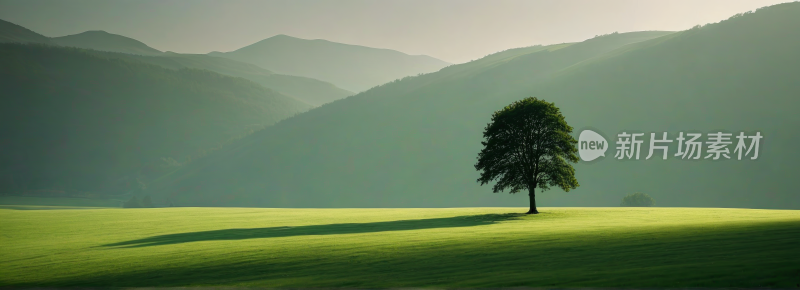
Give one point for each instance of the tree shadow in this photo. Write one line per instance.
(684, 256)
(329, 229)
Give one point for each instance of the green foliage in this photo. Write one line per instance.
(147, 202)
(638, 199)
(132, 203)
(528, 145)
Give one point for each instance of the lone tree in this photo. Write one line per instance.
(528, 145)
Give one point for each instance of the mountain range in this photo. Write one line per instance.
(42, 140)
(352, 67)
(311, 91)
(238, 128)
(413, 142)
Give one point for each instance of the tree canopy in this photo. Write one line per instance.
(527, 146)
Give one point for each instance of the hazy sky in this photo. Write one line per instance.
(452, 30)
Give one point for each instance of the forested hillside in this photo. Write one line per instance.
(74, 121)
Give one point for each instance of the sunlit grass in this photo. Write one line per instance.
(459, 247)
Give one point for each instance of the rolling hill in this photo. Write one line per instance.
(413, 143)
(351, 67)
(10, 32)
(312, 91)
(74, 121)
(104, 41)
(368, 149)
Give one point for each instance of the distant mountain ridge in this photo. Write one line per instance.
(12, 33)
(309, 90)
(95, 39)
(104, 41)
(352, 67)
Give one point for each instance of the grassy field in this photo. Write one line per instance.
(457, 247)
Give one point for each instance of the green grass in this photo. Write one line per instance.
(457, 247)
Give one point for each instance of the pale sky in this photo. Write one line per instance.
(452, 30)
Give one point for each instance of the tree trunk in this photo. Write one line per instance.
(532, 195)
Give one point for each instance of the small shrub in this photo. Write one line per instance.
(132, 203)
(638, 199)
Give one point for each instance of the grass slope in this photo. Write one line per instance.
(449, 247)
(352, 67)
